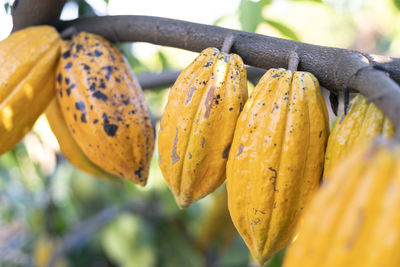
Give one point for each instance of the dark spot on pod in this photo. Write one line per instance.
(68, 91)
(79, 105)
(91, 107)
(89, 54)
(119, 118)
(98, 53)
(203, 142)
(320, 134)
(226, 151)
(126, 102)
(241, 107)
(75, 118)
(85, 66)
(275, 75)
(66, 54)
(102, 84)
(132, 111)
(230, 109)
(95, 121)
(240, 150)
(59, 78)
(174, 156)
(216, 101)
(60, 93)
(121, 174)
(127, 125)
(83, 117)
(100, 95)
(208, 64)
(68, 65)
(190, 155)
(110, 129)
(138, 172)
(66, 80)
(218, 96)
(92, 87)
(117, 80)
(109, 70)
(78, 48)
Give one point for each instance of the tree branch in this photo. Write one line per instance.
(332, 66)
(29, 12)
(335, 68)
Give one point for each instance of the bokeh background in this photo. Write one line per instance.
(52, 213)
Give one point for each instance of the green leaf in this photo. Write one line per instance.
(283, 29)
(250, 15)
(397, 4)
(7, 7)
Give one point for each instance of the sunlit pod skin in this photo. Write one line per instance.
(354, 219)
(276, 159)
(28, 60)
(197, 126)
(362, 121)
(104, 108)
(69, 147)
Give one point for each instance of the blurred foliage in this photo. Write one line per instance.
(45, 201)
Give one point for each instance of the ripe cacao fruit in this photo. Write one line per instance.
(354, 218)
(28, 60)
(68, 145)
(216, 226)
(364, 120)
(104, 108)
(197, 125)
(276, 159)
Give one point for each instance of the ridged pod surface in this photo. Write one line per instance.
(28, 59)
(197, 126)
(354, 219)
(363, 121)
(68, 145)
(276, 159)
(104, 108)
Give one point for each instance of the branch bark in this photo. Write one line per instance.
(335, 68)
(28, 12)
(332, 66)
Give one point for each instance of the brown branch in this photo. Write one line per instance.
(35, 12)
(332, 66)
(335, 68)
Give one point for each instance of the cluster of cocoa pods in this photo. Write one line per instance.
(273, 148)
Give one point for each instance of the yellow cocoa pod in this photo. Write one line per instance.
(69, 147)
(28, 60)
(104, 108)
(216, 225)
(354, 219)
(43, 252)
(363, 121)
(197, 125)
(276, 159)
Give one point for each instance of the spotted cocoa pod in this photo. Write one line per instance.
(104, 108)
(197, 126)
(276, 159)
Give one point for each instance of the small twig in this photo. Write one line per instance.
(228, 42)
(293, 61)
